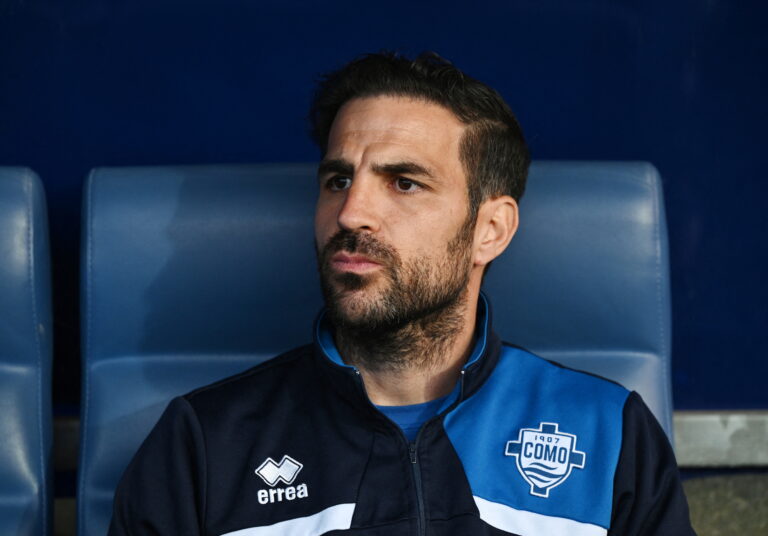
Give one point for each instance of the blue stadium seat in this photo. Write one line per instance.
(586, 280)
(191, 274)
(25, 356)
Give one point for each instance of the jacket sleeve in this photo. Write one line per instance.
(163, 489)
(648, 498)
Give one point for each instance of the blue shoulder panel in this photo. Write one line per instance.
(540, 438)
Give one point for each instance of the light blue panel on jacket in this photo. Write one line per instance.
(510, 437)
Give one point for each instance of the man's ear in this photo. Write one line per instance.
(497, 221)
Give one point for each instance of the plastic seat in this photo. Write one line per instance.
(586, 280)
(25, 356)
(191, 274)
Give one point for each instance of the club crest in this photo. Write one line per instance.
(545, 457)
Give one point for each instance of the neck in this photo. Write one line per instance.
(417, 362)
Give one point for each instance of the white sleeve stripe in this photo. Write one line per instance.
(338, 517)
(525, 523)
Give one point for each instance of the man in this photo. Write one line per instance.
(407, 415)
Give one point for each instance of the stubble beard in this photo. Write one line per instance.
(404, 316)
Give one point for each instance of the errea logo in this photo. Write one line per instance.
(286, 471)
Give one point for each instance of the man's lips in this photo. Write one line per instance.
(346, 262)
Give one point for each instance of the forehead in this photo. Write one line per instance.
(396, 126)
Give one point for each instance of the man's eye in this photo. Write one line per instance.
(406, 185)
(338, 183)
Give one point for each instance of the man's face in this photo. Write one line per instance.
(394, 244)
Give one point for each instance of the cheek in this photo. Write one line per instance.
(445, 235)
(321, 238)
(425, 240)
(325, 222)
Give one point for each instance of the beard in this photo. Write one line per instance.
(405, 313)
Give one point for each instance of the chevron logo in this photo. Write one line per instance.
(286, 471)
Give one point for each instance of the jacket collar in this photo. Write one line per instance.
(478, 367)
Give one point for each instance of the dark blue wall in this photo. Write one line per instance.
(680, 83)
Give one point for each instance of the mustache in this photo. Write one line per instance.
(362, 244)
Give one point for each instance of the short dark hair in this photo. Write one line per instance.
(493, 150)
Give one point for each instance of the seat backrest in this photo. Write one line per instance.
(191, 274)
(25, 356)
(586, 280)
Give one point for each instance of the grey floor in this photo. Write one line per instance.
(729, 505)
(720, 506)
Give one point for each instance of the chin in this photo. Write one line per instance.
(354, 305)
(355, 308)
(354, 299)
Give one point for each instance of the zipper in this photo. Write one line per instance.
(421, 523)
(413, 451)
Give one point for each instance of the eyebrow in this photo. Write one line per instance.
(345, 167)
(403, 168)
(335, 165)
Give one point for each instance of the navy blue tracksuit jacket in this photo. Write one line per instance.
(294, 447)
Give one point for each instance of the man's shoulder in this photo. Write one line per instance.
(563, 381)
(289, 371)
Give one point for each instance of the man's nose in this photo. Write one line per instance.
(361, 208)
